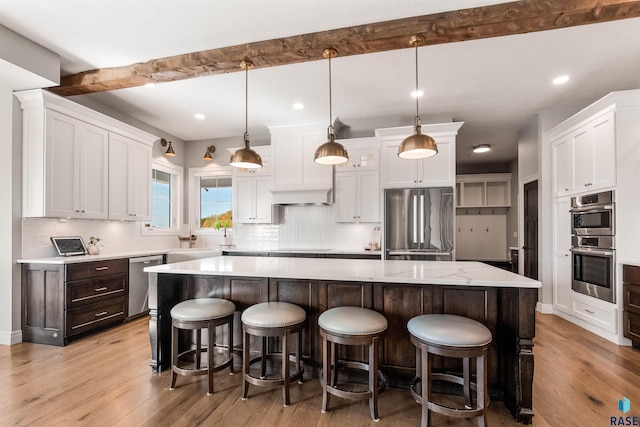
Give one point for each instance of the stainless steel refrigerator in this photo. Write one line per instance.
(418, 223)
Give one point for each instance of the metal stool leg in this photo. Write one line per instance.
(481, 381)
(466, 378)
(198, 347)
(373, 379)
(231, 369)
(285, 367)
(246, 343)
(426, 386)
(211, 342)
(326, 367)
(263, 360)
(174, 356)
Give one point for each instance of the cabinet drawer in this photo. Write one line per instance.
(632, 326)
(604, 318)
(631, 274)
(632, 298)
(95, 269)
(95, 315)
(90, 291)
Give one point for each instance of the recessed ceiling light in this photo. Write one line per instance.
(481, 148)
(417, 93)
(199, 116)
(298, 106)
(149, 85)
(560, 80)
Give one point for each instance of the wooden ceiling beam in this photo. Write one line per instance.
(505, 19)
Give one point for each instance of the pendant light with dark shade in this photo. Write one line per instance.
(331, 152)
(246, 157)
(418, 145)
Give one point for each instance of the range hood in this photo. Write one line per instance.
(302, 195)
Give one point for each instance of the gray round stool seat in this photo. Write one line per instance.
(272, 319)
(351, 326)
(197, 314)
(454, 336)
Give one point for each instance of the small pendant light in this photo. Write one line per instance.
(417, 146)
(246, 157)
(331, 152)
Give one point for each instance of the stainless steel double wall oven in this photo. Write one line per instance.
(593, 245)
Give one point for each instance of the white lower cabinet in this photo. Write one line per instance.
(129, 179)
(357, 196)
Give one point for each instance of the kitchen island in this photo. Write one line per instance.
(503, 301)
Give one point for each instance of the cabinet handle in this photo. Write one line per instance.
(101, 268)
(586, 185)
(104, 288)
(566, 189)
(102, 313)
(589, 311)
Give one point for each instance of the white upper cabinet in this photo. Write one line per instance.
(77, 169)
(129, 179)
(66, 161)
(293, 148)
(584, 154)
(435, 171)
(252, 200)
(357, 182)
(492, 190)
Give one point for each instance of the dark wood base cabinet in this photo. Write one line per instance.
(631, 314)
(508, 312)
(60, 302)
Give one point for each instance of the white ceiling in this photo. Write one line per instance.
(494, 85)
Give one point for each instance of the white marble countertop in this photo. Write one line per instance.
(307, 251)
(416, 272)
(113, 255)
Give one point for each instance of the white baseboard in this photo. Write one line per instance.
(10, 338)
(544, 308)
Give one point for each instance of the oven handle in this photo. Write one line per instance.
(591, 252)
(594, 208)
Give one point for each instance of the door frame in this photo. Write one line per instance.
(521, 184)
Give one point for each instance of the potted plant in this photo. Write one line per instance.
(224, 224)
(93, 248)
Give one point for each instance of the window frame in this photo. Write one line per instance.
(177, 173)
(194, 195)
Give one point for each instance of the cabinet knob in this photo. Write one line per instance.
(566, 189)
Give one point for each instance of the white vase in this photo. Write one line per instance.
(93, 249)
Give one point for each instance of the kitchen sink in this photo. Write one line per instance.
(187, 254)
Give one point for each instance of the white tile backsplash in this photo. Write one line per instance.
(302, 227)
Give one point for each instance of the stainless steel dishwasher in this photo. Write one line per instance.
(139, 284)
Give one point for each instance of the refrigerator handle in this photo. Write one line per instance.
(422, 218)
(414, 208)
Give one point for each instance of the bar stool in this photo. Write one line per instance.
(450, 336)
(351, 326)
(272, 319)
(196, 314)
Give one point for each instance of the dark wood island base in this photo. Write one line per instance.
(509, 312)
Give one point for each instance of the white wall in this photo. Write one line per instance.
(23, 65)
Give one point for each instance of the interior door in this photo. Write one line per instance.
(530, 248)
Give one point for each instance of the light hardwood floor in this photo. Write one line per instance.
(104, 380)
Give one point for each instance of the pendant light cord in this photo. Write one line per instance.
(246, 106)
(417, 109)
(330, 110)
